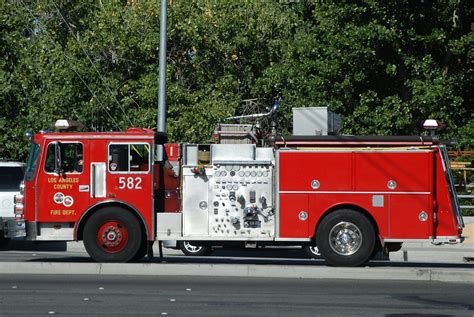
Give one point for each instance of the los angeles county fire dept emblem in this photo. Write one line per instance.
(61, 199)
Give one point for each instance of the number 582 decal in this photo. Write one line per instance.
(130, 182)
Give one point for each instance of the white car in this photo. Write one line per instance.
(11, 175)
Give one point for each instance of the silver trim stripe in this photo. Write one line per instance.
(440, 239)
(344, 192)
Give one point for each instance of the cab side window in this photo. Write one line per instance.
(50, 157)
(134, 157)
(72, 157)
(118, 157)
(139, 157)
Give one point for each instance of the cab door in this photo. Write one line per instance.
(63, 185)
(129, 177)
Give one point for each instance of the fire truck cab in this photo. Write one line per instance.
(349, 196)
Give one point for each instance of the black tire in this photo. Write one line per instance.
(191, 249)
(113, 234)
(312, 251)
(346, 238)
(142, 251)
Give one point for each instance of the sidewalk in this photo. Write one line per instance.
(426, 252)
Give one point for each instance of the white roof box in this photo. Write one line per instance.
(315, 121)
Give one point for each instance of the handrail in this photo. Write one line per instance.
(452, 189)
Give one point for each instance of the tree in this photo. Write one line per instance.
(384, 66)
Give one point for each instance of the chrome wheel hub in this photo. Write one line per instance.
(345, 238)
(111, 237)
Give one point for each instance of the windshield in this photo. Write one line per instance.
(32, 162)
(10, 177)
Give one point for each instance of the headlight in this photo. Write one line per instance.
(18, 199)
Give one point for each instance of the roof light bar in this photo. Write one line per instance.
(67, 125)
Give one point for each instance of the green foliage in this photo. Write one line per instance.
(384, 65)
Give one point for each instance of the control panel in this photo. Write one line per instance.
(240, 200)
(227, 192)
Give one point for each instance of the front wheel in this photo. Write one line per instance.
(193, 249)
(113, 234)
(346, 238)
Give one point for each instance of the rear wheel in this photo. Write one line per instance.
(312, 251)
(346, 238)
(189, 248)
(113, 234)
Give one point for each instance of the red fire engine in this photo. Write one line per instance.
(349, 196)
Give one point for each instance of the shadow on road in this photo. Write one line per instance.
(259, 256)
(301, 262)
(249, 260)
(19, 245)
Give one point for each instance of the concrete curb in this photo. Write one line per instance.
(459, 275)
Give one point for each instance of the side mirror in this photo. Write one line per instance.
(58, 168)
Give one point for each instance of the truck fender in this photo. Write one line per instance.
(79, 227)
(353, 207)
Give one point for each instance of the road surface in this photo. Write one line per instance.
(28, 295)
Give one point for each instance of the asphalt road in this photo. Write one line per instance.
(28, 295)
(22, 251)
